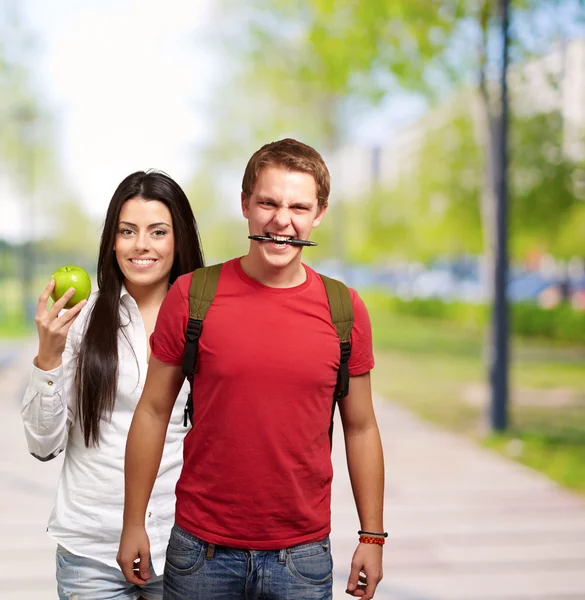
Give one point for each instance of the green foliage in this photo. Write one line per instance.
(74, 233)
(429, 365)
(302, 68)
(572, 231)
(25, 121)
(27, 146)
(559, 455)
(225, 239)
(542, 192)
(433, 207)
(13, 324)
(347, 47)
(561, 324)
(443, 186)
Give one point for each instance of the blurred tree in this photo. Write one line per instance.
(25, 121)
(303, 66)
(542, 178)
(445, 188)
(438, 197)
(294, 68)
(28, 161)
(73, 232)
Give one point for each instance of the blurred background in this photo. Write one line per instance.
(404, 100)
(398, 96)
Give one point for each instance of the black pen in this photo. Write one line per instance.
(292, 242)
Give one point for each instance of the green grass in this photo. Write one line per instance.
(436, 368)
(14, 328)
(12, 321)
(557, 457)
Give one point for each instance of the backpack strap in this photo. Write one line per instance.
(341, 309)
(201, 294)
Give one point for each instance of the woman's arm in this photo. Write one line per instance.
(48, 407)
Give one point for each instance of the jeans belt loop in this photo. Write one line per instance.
(210, 551)
(282, 556)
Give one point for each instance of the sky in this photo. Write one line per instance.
(128, 82)
(126, 79)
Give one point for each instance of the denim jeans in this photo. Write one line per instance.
(80, 578)
(195, 570)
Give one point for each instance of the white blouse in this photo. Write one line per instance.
(87, 516)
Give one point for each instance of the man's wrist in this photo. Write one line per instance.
(372, 526)
(134, 520)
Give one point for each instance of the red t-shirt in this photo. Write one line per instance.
(257, 468)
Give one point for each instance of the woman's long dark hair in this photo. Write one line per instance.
(97, 366)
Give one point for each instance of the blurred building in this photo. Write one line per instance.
(555, 82)
(552, 82)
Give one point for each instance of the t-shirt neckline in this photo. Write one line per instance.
(266, 288)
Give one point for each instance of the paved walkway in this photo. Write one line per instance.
(464, 523)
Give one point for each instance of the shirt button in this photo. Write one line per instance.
(149, 514)
(49, 383)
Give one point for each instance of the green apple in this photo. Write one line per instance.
(71, 276)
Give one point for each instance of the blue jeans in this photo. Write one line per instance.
(196, 570)
(84, 578)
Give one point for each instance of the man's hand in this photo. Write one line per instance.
(366, 571)
(134, 554)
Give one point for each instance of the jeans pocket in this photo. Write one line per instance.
(66, 572)
(185, 554)
(64, 557)
(311, 563)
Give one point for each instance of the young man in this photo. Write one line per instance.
(253, 500)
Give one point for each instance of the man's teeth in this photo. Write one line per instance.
(140, 261)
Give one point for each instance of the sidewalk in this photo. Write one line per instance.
(27, 566)
(464, 523)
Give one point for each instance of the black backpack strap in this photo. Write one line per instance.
(341, 309)
(201, 294)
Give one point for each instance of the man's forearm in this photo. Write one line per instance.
(365, 463)
(144, 450)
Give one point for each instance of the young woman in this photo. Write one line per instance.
(87, 379)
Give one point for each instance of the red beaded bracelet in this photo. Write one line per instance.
(364, 539)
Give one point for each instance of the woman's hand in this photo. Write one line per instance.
(52, 328)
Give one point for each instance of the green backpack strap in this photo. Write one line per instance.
(201, 294)
(341, 309)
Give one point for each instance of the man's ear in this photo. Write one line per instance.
(320, 214)
(245, 204)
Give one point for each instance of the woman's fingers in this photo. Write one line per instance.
(59, 305)
(49, 319)
(43, 299)
(67, 318)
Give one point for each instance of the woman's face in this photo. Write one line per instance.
(145, 243)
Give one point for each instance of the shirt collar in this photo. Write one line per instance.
(124, 291)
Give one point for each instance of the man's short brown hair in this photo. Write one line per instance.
(291, 155)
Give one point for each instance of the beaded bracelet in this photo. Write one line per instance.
(370, 533)
(364, 539)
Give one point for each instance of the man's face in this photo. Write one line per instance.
(282, 204)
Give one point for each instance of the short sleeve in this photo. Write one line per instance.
(168, 339)
(362, 354)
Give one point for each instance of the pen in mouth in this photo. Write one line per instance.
(292, 241)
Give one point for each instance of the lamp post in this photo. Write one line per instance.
(500, 334)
